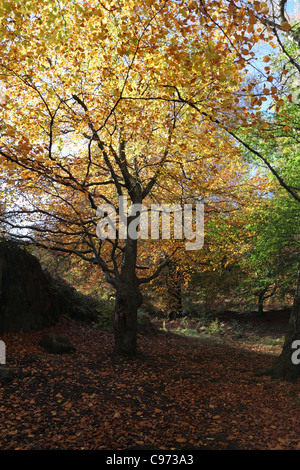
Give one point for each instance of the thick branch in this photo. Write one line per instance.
(158, 270)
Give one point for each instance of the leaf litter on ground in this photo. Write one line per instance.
(177, 393)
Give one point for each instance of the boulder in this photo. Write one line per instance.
(26, 302)
(56, 344)
(30, 298)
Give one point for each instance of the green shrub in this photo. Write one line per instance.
(215, 328)
(105, 320)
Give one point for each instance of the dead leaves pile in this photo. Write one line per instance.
(179, 393)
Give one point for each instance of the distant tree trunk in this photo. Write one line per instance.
(284, 367)
(262, 297)
(128, 300)
(260, 305)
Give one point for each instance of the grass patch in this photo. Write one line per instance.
(187, 332)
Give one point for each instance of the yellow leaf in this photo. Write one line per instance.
(26, 174)
(264, 8)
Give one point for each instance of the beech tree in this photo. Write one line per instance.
(102, 100)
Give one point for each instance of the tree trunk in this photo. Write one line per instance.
(284, 367)
(128, 300)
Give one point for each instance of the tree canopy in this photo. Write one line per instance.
(155, 102)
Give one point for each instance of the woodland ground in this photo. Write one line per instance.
(183, 391)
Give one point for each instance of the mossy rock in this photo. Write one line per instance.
(56, 344)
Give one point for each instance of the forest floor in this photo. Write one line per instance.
(182, 392)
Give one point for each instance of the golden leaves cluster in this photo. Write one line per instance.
(136, 66)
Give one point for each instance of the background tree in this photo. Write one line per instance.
(277, 27)
(282, 134)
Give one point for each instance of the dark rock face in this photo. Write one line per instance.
(26, 302)
(71, 302)
(30, 299)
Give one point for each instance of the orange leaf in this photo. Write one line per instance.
(285, 26)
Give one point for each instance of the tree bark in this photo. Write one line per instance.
(128, 300)
(284, 367)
